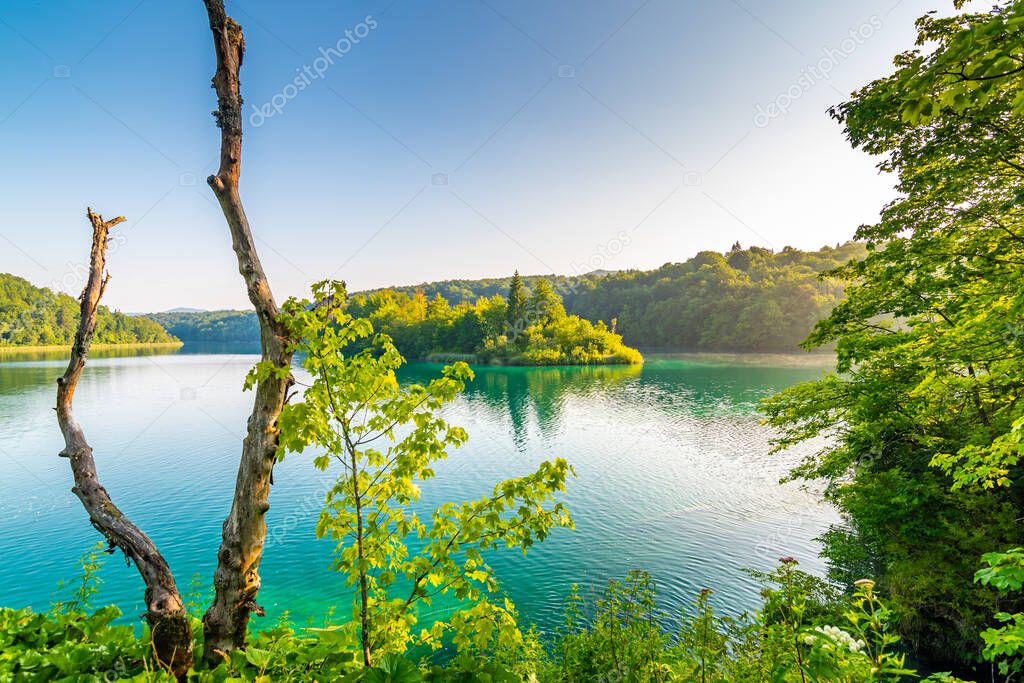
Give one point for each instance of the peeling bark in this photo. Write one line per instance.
(237, 580)
(169, 626)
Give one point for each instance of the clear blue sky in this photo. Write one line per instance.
(457, 138)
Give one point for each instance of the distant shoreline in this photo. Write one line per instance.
(67, 347)
(778, 358)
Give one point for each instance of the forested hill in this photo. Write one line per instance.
(750, 299)
(744, 300)
(37, 316)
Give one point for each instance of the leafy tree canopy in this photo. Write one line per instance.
(925, 416)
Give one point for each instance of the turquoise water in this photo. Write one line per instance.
(674, 476)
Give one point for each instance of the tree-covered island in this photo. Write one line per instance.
(524, 328)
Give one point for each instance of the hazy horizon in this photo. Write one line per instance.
(434, 141)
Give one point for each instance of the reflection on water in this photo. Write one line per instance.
(538, 393)
(674, 476)
(10, 354)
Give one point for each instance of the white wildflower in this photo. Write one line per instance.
(838, 637)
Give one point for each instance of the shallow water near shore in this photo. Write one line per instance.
(674, 476)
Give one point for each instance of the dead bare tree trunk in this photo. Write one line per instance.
(169, 626)
(237, 580)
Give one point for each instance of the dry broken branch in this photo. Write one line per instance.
(169, 626)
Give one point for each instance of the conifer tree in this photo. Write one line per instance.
(516, 304)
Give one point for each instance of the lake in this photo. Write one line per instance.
(674, 476)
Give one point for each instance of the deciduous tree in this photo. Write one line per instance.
(386, 438)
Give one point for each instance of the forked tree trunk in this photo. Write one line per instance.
(237, 580)
(169, 626)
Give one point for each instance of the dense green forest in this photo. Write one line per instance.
(744, 300)
(522, 328)
(750, 299)
(210, 326)
(36, 316)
